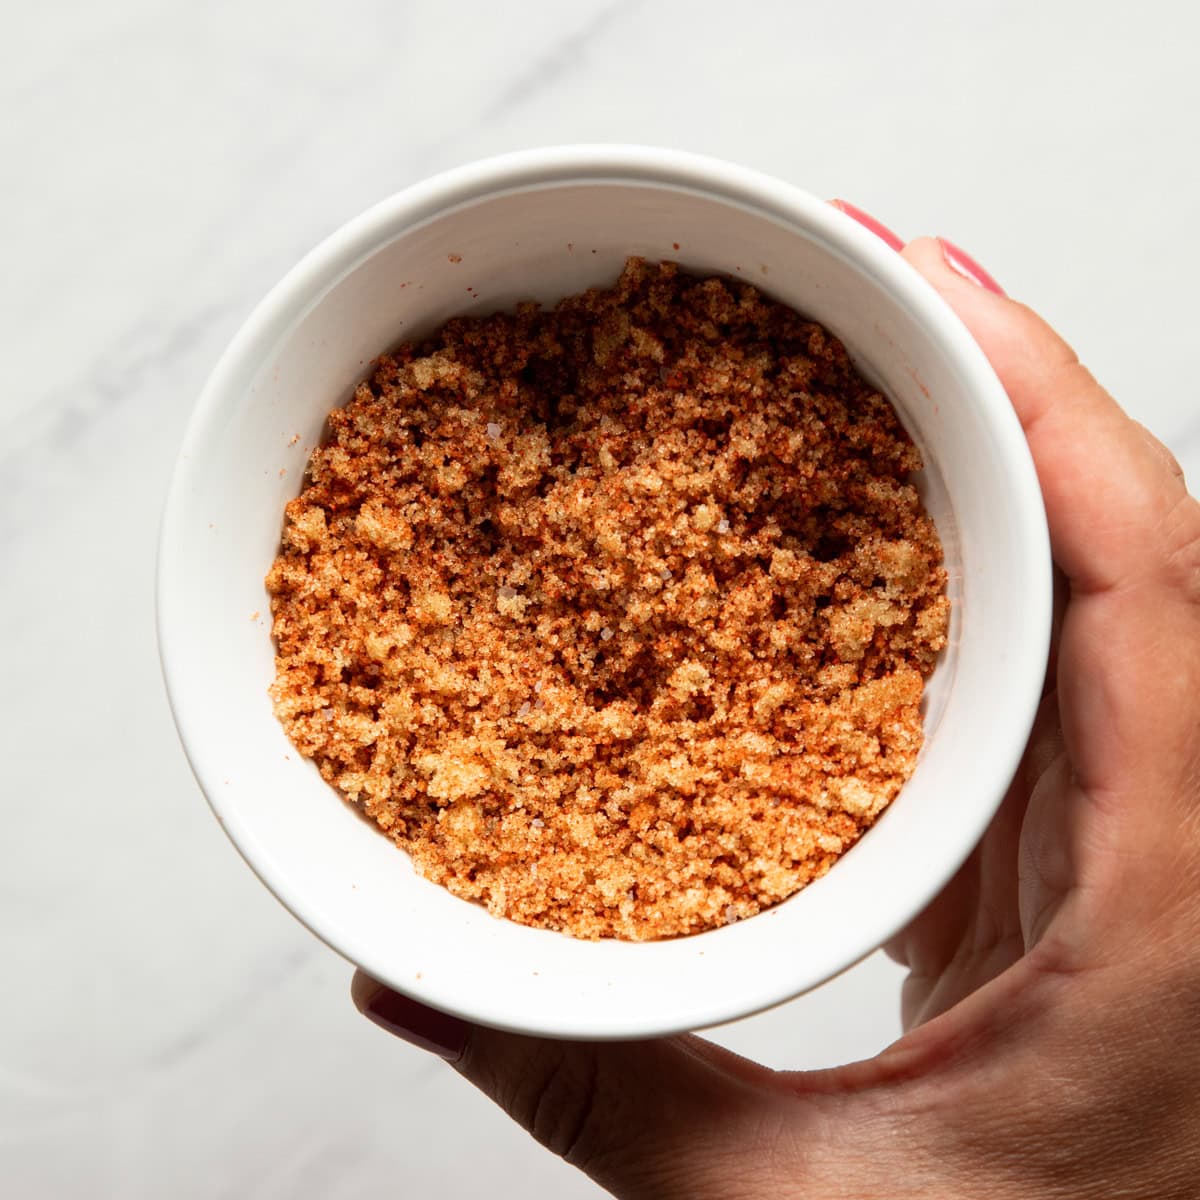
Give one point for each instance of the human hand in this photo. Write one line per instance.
(1052, 1011)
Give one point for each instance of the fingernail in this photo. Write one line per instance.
(426, 1028)
(959, 260)
(868, 222)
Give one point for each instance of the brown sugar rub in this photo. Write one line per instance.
(615, 617)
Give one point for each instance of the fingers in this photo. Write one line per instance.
(1127, 536)
(1116, 503)
(664, 1119)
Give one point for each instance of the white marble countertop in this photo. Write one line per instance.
(166, 1029)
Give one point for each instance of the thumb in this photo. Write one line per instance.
(671, 1118)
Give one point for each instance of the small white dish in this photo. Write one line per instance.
(541, 225)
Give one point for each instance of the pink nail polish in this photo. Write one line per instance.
(437, 1032)
(867, 221)
(959, 260)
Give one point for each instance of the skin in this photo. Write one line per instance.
(1051, 1006)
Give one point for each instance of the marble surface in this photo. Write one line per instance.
(165, 1028)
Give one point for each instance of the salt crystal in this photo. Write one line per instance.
(537, 822)
(665, 574)
(493, 430)
(605, 634)
(537, 687)
(523, 709)
(722, 526)
(731, 915)
(506, 593)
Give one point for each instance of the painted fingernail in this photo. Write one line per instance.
(959, 260)
(868, 222)
(426, 1028)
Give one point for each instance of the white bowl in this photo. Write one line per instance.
(541, 225)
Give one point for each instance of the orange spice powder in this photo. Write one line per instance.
(615, 617)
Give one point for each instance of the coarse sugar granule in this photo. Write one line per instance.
(637, 591)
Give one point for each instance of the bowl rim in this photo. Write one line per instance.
(344, 249)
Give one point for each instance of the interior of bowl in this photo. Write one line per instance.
(482, 242)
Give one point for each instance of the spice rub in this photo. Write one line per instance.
(616, 616)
